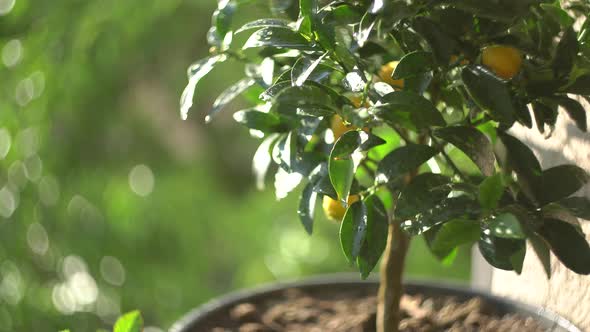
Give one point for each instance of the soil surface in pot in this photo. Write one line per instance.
(325, 310)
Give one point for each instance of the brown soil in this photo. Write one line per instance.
(354, 311)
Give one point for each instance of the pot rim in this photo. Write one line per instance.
(186, 322)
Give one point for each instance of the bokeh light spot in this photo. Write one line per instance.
(112, 270)
(5, 142)
(12, 52)
(48, 190)
(141, 180)
(11, 284)
(8, 202)
(37, 238)
(33, 168)
(25, 91)
(6, 6)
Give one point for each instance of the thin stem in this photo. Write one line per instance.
(391, 286)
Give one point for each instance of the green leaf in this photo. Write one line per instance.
(408, 106)
(452, 234)
(473, 143)
(544, 114)
(578, 206)
(265, 23)
(566, 242)
(413, 64)
(307, 11)
(228, 95)
(303, 69)
(500, 252)
(507, 226)
(515, 155)
(574, 109)
(309, 99)
(375, 235)
(561, 181)
(542, 251)
(566, 53)
(491, 190)
(489, 93)
(403, 160)
(558, 14)
(517, 259)
(423, 192)
(371, 142)
(195, 73)
(262, 159)
(130, 322)
(341, 165)
(263, 121)
(222, 19)
(353, 230)
(278, 38)
(581, 85)
(306, 209)
(448, 209)
(442, 45)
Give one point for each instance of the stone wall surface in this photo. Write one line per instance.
(566, 292)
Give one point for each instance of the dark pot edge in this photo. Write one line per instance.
(186, 321)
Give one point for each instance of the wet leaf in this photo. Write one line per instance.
(473, 143)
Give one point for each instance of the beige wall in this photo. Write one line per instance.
(566, 293)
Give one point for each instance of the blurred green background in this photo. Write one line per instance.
(108, 200)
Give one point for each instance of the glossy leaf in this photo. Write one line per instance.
(561, 181)
(279, 38)
(419, 111)
(566, 53)
(262, 121)
(507, 226)
(195, 73)
(446, 210)
(575, 110)
(371, 142)
(308, 99)
(403, 160)
(425, 191)
(264, 23)
(452, 234)
(375, 235)
(413, 64)
(566, 242)
(515, 155)
(473, 143)
(130, 322)
(303, 69)
(228, 95)
(542, 251)
(442, 45)
(353, 230)
(489, 93)
(581, 85)
(262, 160)
(341, 165)
(578, 206)
(307, 203)
(491, 190)
(500, 252)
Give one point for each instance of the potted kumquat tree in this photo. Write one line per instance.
(395, 117)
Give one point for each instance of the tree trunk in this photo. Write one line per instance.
(390, 289)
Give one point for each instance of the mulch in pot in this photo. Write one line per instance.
(324, 310)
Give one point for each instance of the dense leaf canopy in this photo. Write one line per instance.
(449, 170)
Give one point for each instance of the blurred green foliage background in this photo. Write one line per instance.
(108, 201)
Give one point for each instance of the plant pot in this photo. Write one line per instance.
(200, 319)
